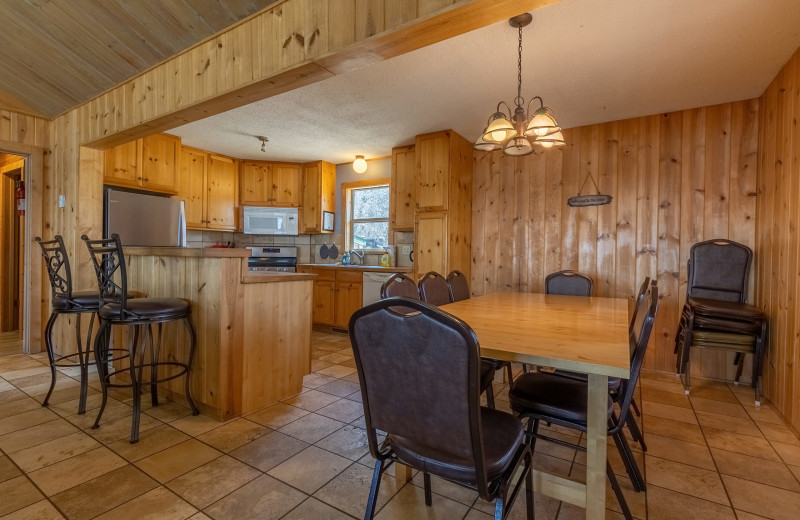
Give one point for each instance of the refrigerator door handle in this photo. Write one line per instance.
(182, 224)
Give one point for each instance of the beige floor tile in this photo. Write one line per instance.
(349, 442)
(475, 514)
(753, 468)
(683, 478)
(104, 493)
(338, 371)
(735, 442)
(317, 365)
(120, 429)
(210, 482)
(150, 441)
(21, 439)
(165, 504)
(41, 455)
(233, 434)
(764, 414)
(714, 394)
(679, 451)
(195, 424)
(795, 471)
(444, 488)
(277, 415)
(17, 493)
(8, 469)
(741, 515)
(311, 428)
(200, 516)
(42, 510)
(262, 498)
(340, 388)
(34, 369)
(718, 407)
(169, 411)
(790, 453)
(68, 473)
(311, 400)
(67, 408)
(665, 504)
(779, 433)
(317, 380)
(349, 491)
(673, 429)
(666, 411)
(310, 469)
(26, 420)
(761, 499)
(410, 503)
(268, 451)
(663, 397)
(673, 386)
(316, 510)
(18, 406)
(343, 410)
(114, 410)
(177, 460)
(12, 394)
(745, 426)
(336, 358)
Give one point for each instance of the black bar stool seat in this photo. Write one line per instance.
(146, 309)
(78, 302)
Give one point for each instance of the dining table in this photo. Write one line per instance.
(577, 333)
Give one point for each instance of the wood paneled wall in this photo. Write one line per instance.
(676, 179)
(777, 243)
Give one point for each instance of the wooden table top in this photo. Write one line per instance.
(588, 335)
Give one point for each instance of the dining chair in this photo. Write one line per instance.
(568, 283)
(433, 289)
(419, 373)
(715, 315)
(400, 285)
(138, 315)
(542, 396)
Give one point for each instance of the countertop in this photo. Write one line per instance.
(200, 252)
(370, 268)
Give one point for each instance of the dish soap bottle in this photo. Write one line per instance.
(386, 259)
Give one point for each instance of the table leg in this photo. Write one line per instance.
(402, 473)
(596, 437)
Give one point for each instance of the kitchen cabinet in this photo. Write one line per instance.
(324, 297)
(191, 186)
(443, 204)
(207, 184)
(401, 201)
(349, 288)
(337, 295)
(271, 184)
(319, 195)
(148, 164)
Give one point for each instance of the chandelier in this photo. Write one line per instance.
(518, 131)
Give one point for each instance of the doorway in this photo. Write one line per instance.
(12, 222)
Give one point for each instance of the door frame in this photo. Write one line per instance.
(32, 288)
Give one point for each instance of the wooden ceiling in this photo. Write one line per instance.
(57, 54)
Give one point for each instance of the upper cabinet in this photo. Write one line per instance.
(150, 164)
(319, 195)
(271, 184)
(401, 202)
(208, 185)
(192, 186)
(433, 171)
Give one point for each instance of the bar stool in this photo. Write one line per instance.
(139, 313)
(65, 301)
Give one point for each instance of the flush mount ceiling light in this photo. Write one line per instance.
(264, 141)
(360, 165)
(517, 131)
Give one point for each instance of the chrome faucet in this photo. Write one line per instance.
(359, 254)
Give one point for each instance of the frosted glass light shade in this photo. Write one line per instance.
(542, 124)
(550, 140)
(486, 146)
(360, 165)
(518, 146)
(499, 130)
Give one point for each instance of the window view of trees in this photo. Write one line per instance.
(369, 218)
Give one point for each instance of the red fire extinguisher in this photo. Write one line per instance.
(19, 194)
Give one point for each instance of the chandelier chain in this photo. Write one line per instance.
(519, 101)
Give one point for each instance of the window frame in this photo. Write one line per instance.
(347, 209)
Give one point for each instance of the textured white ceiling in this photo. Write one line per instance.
(592, 61)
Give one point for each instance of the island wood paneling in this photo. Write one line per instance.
(676, 179)
(777, 242)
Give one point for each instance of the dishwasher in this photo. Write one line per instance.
(371, 291)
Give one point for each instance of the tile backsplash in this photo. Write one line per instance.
(308, 246)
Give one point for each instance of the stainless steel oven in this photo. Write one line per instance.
(273, 258)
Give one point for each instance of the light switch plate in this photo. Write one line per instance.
(62, 201)
(405, 250)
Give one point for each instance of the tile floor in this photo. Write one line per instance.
(711, 456)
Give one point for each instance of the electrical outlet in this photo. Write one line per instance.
(62, 201)
(405, 250)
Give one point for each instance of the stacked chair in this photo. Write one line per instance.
(715, 315)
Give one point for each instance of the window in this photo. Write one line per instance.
(367, 214)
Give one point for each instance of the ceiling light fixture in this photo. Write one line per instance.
(360, 165)
(517, 132)
(264, 141)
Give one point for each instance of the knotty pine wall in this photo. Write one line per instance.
(676, 179)
(777, 244)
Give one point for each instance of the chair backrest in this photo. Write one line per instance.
(568, 283)
(639, 303)
(433, 289)
(718, 270)
(639, 337)
(109, 266)
(419, 372)
(58, 270)
(459, 286)
(399, 285)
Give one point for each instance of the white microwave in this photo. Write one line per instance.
(269, 221)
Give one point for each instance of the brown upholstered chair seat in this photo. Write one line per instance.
(79, 300)
(717, 308)
(147, 308)
(740, 342)
(613, 382)
(541, 393)
(503, 436)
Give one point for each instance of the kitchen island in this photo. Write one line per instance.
(253, 329)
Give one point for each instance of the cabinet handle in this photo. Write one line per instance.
(138, 178)
(417, 204)
(147, 180)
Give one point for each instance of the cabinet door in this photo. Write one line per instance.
(312, 219)
(286, 184)
(430, 243)
(221, 192)
(323, 302)
(401, 213)
(122, 165)
(433, 171)
(160, 155)
(348, 301)
(256, 185)
(192, 186)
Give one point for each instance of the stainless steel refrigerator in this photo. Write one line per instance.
(144, 220)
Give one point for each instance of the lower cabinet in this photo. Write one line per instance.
(337, 295)
(349, 287)
(324, 300)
